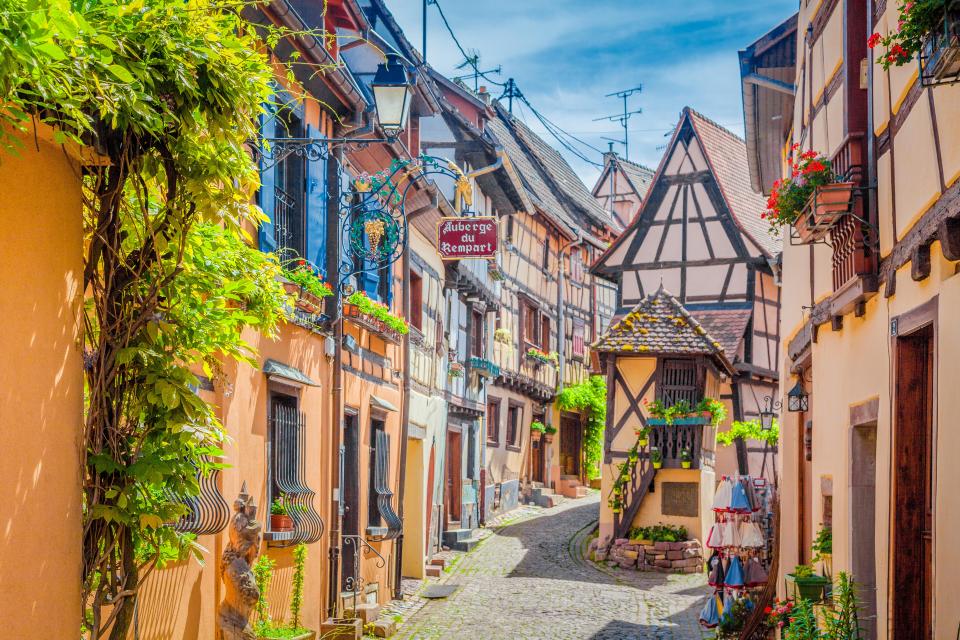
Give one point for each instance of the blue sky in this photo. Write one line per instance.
(565, 55)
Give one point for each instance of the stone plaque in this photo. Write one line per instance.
(680, 499)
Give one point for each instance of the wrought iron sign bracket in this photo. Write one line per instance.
(270, 152)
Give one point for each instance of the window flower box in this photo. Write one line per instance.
(940, 49)
(692, 420)
(539, 357)
(484, 368)
(928, 30)
(827, 205)
(375, 316)
(455, 370)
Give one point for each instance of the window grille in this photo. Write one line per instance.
(381, 495)
(679, 381)
(208, 511)
(288, 469)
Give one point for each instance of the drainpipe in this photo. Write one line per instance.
(333, 275)
(871, 136)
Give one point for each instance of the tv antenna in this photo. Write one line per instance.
(472, 62)
(623, 118)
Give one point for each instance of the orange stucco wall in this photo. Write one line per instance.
(41, 392)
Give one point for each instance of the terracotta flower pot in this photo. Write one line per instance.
(535, 435)
(281, 523)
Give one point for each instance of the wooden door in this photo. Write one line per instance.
(571, 440)
(912, 548)
(453, 493)
(537, 449)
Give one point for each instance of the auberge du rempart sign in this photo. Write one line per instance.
(462, 238)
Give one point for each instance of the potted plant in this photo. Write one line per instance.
(537, 430)
(455, 370)
(280, 519)
(656, 458)
(307, 283)
(503, 336)
(643, 436)
(376, 314)
(823, 548)
(804, 583)
(686, 458)
(549, 431)
(930, 28)
(810, 199)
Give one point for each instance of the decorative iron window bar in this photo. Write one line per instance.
(285, 214)
(939, 56)
(383, 492)
(289, 473)
(207, 512)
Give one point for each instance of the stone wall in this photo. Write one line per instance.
(644, 555)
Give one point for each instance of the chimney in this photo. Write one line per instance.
(483, 95)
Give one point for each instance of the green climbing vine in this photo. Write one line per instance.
(590, 397)
(167, 93)
(749, 430)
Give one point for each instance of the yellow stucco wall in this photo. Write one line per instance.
(41, 392)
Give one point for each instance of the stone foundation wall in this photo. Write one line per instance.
(644, 555)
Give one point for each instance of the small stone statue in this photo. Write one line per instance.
(235, 569)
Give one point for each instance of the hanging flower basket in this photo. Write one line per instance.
(827, 205)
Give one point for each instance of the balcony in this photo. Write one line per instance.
(853, 237)
(374, 325)
(940, 51)
(537, 380)
(671, 440)
(484, 368)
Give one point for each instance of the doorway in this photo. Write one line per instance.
(571, 444)
(912, 544)
(454, 491)
(537, 449)
(863, 528)
(351, 494)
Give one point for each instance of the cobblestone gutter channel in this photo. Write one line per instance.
(530, 578)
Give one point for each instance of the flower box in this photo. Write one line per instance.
(939, 51)
(827, 205)
(370, 323)
(806, 587)
(484, 367)
(306, 301)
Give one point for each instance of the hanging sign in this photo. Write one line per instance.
(464, 238)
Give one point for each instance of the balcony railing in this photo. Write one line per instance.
(671, 440)
(852, 237)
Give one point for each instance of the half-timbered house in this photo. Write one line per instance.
(621, 187)
(699, 234)
(658, 351)
(552, 307)
(869, 305)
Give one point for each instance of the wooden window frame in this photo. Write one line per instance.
(493, 407)
(477, 342)
(416, 300)
(513, 443)
(578, 325)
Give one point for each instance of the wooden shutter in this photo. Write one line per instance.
(545, 332)
(579, 336)
(678, 381)
(476, 334)
(416, 300)
(316, 210)
(493, 420)
(268, 180)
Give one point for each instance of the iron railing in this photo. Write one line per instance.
(381, 487)
(852, 237)
(207, 512)
(289, 472)
(284, 219)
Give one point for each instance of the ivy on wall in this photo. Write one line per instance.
(589, 397)
(750, 430)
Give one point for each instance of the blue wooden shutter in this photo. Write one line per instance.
(370, 279)
(268, 180)
(316, 206)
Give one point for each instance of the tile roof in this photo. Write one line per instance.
(726, 325)
(727, 154)
(659, 324)
(640, 177)
(551, 182)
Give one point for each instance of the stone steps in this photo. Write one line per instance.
(460, 539)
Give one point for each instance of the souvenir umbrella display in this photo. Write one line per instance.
(739, 540)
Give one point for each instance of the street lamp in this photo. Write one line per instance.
(768, 414)
(797, 398)
(392, 93)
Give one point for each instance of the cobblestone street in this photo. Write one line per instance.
(530, 579)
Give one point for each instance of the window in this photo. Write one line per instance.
(528, 325)
(476, 334)
(544, 332)
(416, 300)
(546, 254)
(678, 381)
(493, 420)
(286, 446)
(513, 425)
(288, 212)
(576, 266)
(579, 338)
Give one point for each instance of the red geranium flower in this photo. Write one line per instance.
(873, 40)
